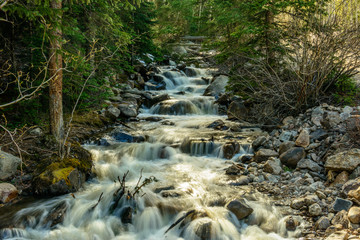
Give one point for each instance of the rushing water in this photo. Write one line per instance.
(186, 160)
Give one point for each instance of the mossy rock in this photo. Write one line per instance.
(90, 119)
(60, 176)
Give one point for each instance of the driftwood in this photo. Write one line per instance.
(180, 220)
(97, 201)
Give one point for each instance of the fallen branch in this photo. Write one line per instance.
(180, 220)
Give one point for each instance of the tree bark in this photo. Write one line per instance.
(55, 71)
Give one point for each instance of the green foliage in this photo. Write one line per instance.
(346, 90)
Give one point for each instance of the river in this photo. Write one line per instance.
(182, 160)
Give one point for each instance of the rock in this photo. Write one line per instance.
(317, 116)
(112, 112)
(237, 110)
(204, 230)
(181, 66)
(340, 235)
(355, 173)
(311, 199)
(333, 119)
(350, 185)
(341, 219)
(217, 86)
(264, 154)
(37, 131)
(286, 146)
(308, 164)
(57, 214)
(8, 192)
(273, 166)
(354, 215)
(341, 204)
(298, 203)
(180, 50)
(315, 210)
(341, 178)
(354, 194)
(322, 224)
(128, 110)
(292, 156)
(286, 136)
(234, 169)
(218, 125)
(291, 224)
(229, 149)
(240, 208)
(156, 99)
(126, 215)
(241, 181)
(319, 134)
(303, 140)
(344, 161)
(160, 189)
(347, 109)
(288, 120)
(258, 142)
(191, 72)
(8, 165)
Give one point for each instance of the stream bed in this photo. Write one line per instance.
(175, 186)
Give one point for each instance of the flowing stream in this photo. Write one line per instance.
(182, 159)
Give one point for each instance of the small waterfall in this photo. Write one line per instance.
(179, 166)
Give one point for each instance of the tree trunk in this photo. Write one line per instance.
(269, 19)
(55, 70)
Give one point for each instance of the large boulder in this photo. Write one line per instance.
(7, 192)
(292, 156)
(344, 161)
(8, 165)
(217, 86)
(240, 208)
(237, 110)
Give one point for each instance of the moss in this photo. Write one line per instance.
(89, 119)
(62, 173)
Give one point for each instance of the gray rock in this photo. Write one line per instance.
(286, 136)
(286, 146)
(180, 50)
(258, 142)
(311, 199)
(8, 165)
(7, 192)
(264, 154)
(303, 140)
(240, 208)
(112, 112)
(355, 173)
(344, 161)
(347, 109)
(128, 110)
(217, 86)
(315, 210)
(37, 131)
(309, 164)
(190, 72)
(333, 119)
(322, 224)
(241, 181)
(273, 166)
(237, 110)
(317, 116)
(298, 203)
(292, 156)
(341, 204)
